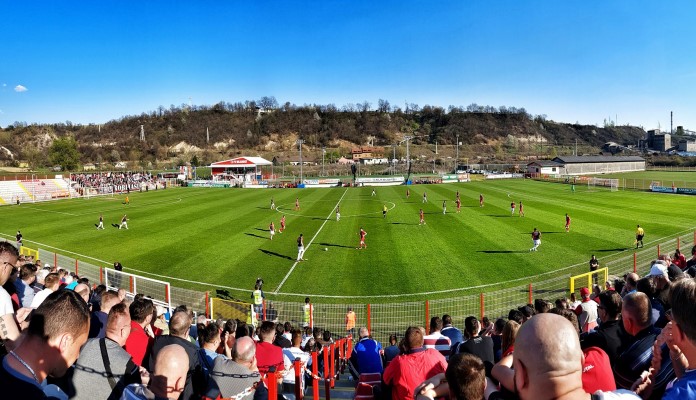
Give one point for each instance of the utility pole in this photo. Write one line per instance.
(207, 135)
(408, 153)
(456, 165)
(300, 142)
(393, 161)
(323, 153)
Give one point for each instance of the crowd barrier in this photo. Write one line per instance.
(383, 319)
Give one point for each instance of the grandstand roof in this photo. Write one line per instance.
(241, 162)
(596, 159)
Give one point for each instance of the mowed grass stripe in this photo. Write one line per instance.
(220, 236)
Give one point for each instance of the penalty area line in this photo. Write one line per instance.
(310, 243)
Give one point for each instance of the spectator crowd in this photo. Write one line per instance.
(65, 338)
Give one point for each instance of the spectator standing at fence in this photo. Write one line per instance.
(124, 222)
(308, 313)
(350, 322)
(366, 356)
(258, 297)
(104, 369)
(594, 264)
(416, 364)
(640, 234)
(100, 225)
(51, 344)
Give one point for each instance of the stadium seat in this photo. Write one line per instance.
(364, 391)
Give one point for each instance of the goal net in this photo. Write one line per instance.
(158, 291)
(612, 184)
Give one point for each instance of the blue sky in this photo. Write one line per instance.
(584, 61)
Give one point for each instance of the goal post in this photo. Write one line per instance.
(586, 279)
(158, 291)
(611, 184)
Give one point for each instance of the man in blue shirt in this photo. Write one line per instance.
(450, 331)
(366, 356)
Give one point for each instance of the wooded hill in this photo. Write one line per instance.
(266, 128)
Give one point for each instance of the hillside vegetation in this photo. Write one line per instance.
(269, 129)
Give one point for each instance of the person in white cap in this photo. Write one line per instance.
(660, 277)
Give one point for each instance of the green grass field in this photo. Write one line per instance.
(218, 238)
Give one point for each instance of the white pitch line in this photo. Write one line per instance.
(310, 242)
(51, 211)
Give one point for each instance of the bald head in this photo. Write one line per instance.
(179, 324)
(632, 280)
(364, 332)
(636, 312)
(244, 350)
(83, 291)
(548, 356)
(169, 373)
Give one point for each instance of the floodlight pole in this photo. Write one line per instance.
(323, 154)
(300, 142)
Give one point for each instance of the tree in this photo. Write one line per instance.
(194, 161)
(64, 152)
(383, 106)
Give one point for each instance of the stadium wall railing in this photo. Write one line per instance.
(383, 319)
(624, 183)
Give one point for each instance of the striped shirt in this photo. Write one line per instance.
(439, 342)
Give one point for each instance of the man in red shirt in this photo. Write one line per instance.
(459, 205)
(422, 217)
(405, 372)
(267, 354)
(282, 224)
(139, 342)
(481, 200)
(567, 225)
(362, 238)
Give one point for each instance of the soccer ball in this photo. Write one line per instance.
(326, 249)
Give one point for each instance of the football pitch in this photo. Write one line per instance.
(213, 238)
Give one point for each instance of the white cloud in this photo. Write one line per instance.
(20, 88)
